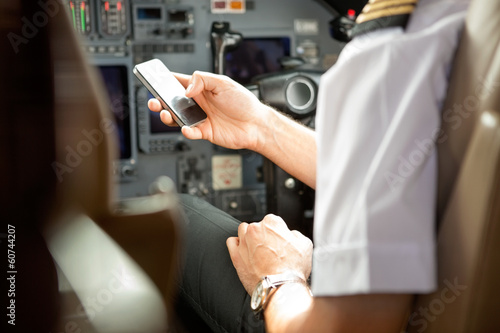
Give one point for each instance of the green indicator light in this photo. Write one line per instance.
(82, 11)
(73, 15)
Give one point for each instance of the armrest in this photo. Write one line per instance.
(149, 229)
(117, 275)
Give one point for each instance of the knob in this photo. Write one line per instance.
(127, 171)
(290, 183)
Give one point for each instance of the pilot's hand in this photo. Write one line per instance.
(235, 115)
(266, 248)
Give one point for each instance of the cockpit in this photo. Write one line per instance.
(363, 134)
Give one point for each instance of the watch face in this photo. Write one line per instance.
(262, 291)
(257, 296)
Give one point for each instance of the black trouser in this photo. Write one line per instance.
(210, 287)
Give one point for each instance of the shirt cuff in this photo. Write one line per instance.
(381, 268)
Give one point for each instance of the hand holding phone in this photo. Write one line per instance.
(164, 86)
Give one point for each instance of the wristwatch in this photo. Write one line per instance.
(266, 287)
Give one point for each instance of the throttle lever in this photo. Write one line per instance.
(223, 40)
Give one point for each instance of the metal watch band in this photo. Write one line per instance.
(267, 285)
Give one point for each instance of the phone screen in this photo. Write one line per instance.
(165, 87)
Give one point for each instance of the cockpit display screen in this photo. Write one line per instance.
(256, 56)
(116, 81)
(149, 13)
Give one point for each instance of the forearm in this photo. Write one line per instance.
(290, 145)
(289, 309)
(293, 309)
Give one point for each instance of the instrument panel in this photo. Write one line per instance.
(261, 38)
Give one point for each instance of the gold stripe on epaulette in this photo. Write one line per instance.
(381, 4)
(378, 1)
(391, 11)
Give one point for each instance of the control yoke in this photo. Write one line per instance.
(223, 40)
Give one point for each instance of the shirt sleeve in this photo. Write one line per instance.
(378, 119)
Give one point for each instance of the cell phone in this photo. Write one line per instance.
(169, 91)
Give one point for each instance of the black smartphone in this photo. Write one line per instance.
(171, 94)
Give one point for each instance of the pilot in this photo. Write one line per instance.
(373, 164)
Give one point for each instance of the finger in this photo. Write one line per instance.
(242, 231)
(232, 244)
(192, 133)
(275, 221)
(255, 235)
(242, 234)
(305, 241)
(154, 105)
(297, 234)
(167, 119)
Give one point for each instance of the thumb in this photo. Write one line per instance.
(195, 86)
(202, 81)
(182, 78)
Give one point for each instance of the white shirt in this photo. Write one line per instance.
(378, 117)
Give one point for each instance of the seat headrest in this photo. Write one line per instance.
(474, 87)
(85, 128)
